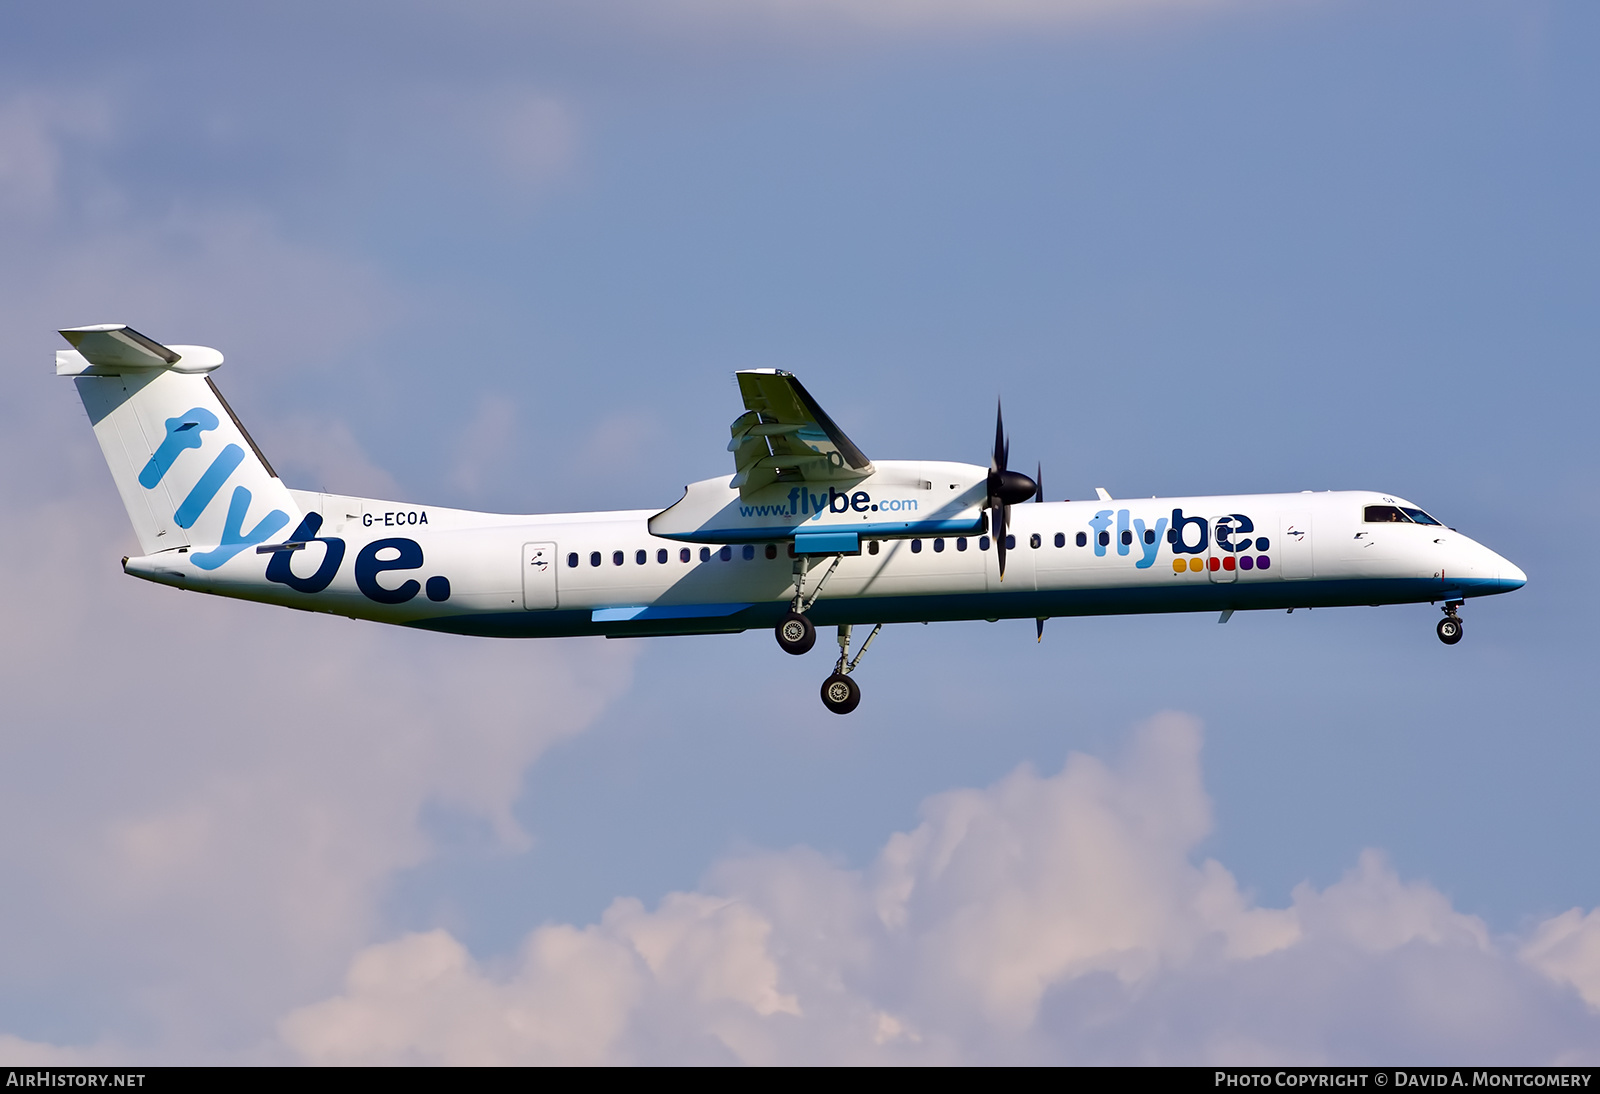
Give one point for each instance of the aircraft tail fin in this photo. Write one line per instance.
(189, 473)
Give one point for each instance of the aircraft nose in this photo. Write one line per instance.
(1511, 575)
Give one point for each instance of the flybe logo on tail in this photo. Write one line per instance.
(183, 433)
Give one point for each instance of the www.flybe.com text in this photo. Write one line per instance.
(804, 503)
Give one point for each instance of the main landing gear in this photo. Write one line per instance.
(841, 694)
(1450, 626)
(795, 632)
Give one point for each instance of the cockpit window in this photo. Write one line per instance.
(1418, 515)
(1385, 514)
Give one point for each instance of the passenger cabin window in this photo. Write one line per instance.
(961, 543)
(1105, 539)
(617, 557)
(661, 557)
(1149, 535)
(705, 554)
(726, 554)
(1384, 514)
(594, 558)
(983, 543)
(1061, 539)
(1034, 541)
(1083, 540)
(772, 550)
(872, 547)
(684, 554)
(1011, 543)
(749, 551)
(938, 545)
(916, 546)
(1127, 538)
(641, 557)
(572, 560)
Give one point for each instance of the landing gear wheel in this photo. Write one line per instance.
(1449, 630)
(796, 634)
(840, 693)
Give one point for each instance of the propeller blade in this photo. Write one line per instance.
(1006, 487)
(997, 461)
(1038, 483)
(1039, 622)
(1000, 536)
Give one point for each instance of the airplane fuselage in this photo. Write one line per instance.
(604, 573)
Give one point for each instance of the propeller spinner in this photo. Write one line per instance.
(1006, 487)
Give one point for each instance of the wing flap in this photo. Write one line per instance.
(784, 436)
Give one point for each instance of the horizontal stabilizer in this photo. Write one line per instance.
(115, 348)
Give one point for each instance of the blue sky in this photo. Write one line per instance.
(507, 256)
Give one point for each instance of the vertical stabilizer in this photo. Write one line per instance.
(188, 472)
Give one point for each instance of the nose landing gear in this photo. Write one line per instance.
(841, 694)
(1449, 628)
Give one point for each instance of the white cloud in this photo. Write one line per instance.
(1567, 948)
(1055, 918)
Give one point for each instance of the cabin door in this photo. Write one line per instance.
(538, 576)
(1292, 554)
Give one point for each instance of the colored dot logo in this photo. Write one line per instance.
(1227, 562)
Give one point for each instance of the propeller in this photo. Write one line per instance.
(1006, 488)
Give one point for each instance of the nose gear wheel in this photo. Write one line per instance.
(1449, 628)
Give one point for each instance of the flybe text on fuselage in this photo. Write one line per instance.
(1185, 534)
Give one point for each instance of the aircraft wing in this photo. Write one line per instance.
(784, 436)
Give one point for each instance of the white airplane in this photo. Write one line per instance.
(807, 531)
